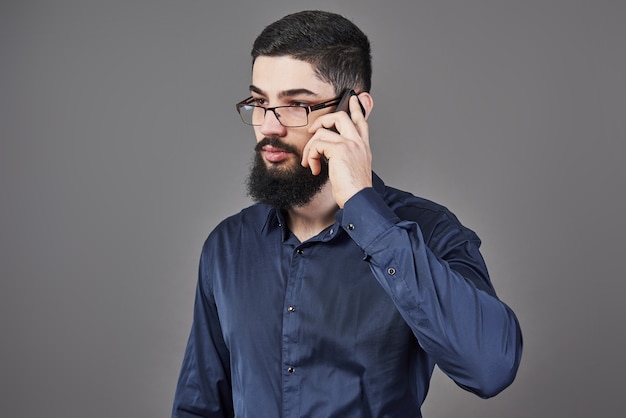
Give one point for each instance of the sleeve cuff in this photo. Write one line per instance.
(366, 216)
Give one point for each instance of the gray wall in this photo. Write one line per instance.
(121, 150)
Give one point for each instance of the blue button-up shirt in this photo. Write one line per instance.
(349, 323)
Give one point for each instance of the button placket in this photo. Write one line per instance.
(292, 326)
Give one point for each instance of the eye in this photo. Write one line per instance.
(299, 104)
(258, 101)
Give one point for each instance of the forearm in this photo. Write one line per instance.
(204, 387)
(447, 301)
(473, 336)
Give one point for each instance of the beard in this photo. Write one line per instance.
(283, 187)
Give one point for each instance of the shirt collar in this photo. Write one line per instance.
(273, 219)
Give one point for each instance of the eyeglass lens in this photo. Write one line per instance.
(288, 116)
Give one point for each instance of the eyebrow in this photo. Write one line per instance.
(285, 93)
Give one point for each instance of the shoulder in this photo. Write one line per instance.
(248, 220)
(434, 219)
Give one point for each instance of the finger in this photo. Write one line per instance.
(310, 152)
(311, 157)
(358, 119)
(326, 121)
(356, 113)
(318, 146)
(340, 121)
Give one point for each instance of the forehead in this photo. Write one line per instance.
(273, 75)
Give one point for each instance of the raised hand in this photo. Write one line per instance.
(346, 148)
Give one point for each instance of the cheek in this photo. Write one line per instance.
(303, 139)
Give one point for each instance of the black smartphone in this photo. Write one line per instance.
(344, 103)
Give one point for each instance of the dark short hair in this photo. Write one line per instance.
(336, 48)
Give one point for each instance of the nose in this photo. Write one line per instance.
(271, 126)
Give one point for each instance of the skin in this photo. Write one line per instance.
(278, 81)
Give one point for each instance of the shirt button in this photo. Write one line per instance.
(291, 370)
(299, 251)
(391, 271)
(291, 308)
(351, 227)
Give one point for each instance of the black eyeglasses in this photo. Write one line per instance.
(289, 116)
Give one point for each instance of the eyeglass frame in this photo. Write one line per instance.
(308, 109)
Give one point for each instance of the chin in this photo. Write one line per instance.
(283, 184)
(284, 166)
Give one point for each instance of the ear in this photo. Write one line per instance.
(367, 102)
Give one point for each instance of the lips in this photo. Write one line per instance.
(274, 154)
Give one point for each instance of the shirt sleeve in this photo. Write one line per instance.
(442, 290)
(204, 384)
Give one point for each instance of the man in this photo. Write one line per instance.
(335, 295)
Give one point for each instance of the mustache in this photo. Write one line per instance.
(275, 142)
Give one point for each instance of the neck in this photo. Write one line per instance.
(309, 220)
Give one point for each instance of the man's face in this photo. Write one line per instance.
(283, 81)
(277, 176)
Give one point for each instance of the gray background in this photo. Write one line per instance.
(121, 150)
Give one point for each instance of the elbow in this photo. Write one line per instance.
(493, 382)
(498, 372)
